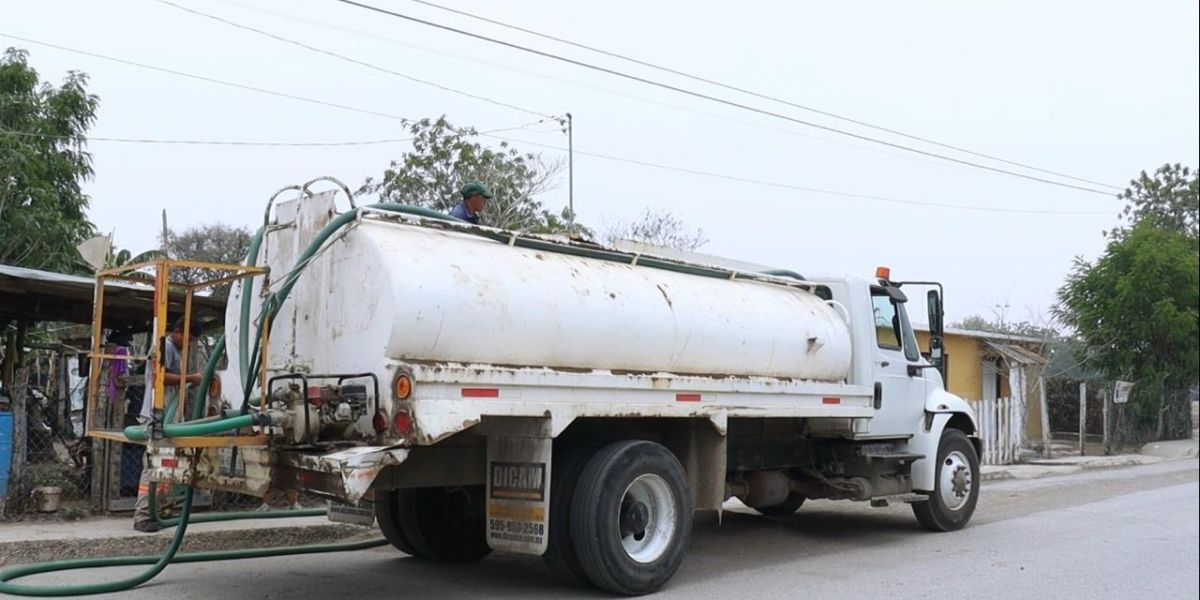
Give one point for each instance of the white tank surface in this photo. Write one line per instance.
(394, 291)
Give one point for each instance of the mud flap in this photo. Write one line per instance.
(518, 483)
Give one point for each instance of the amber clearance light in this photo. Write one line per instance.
(402, 387)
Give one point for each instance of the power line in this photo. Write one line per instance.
(548, 146)
(710, 98)
(755, 94)
(572, 82)
(801, 188)
(198, 142)
(210, 79)
(355, 61)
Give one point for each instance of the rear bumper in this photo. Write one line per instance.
(345, 475)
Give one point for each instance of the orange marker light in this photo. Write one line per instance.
(402, 387)
(883, 273)
(214, 387)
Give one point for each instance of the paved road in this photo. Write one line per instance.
(1121, 533)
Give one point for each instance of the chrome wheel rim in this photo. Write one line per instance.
(955, 480)
(646, 518)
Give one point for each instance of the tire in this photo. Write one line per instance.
(640, 487)
(950, 509)
(560, 557)
(792, 504)
(387, 513)
(445, 524)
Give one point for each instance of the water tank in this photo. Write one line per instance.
(391, 291)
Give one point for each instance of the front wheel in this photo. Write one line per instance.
(956, 488)
(632, 517)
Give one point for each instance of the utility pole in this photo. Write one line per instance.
(165, 232)
(570, 174)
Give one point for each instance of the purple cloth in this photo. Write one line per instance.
(118, 367)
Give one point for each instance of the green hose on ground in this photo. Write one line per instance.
(171, 556)
(127, 561)
(160, 563)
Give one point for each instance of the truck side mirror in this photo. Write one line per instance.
(937, 332)
(936, 328)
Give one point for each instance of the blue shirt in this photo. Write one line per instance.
(461, 211)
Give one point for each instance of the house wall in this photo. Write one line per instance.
(965, 363)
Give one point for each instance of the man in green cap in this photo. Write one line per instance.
(474, 196)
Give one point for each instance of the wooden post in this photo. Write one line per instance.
(20, 413)
(1045, 416)
(1082, 415)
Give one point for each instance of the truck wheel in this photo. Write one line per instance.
(445, 524)
(792, 504)
(956, 488)
(387, 513)
(632, 517)
(560, 556)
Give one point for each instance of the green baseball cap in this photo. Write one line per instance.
(475, 187)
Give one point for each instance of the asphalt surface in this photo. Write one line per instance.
(1117, 533)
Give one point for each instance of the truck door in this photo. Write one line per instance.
(901, 405)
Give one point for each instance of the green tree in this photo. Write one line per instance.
(43, 165)
(1170, 199)
(445, 157)
(214, 243)
(1137, 311)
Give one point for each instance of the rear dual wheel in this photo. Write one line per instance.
(441, 524)
(630, 517)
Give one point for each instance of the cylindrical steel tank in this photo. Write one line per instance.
(404, 292)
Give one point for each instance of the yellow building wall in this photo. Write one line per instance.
(965, 364)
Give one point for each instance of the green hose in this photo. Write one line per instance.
(97, 588)
(127, 561)
(160, 563)
(138, 433)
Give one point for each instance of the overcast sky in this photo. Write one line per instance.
(1095, 89)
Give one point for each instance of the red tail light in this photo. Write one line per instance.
(379, 422)
(403, 423)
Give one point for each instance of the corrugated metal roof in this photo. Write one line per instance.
(33, 295)
(1015, 354)
(984, 335)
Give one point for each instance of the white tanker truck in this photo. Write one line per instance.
(473, 389)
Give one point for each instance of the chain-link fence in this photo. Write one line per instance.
(51, 467)
(50, 463)
(1155, 411)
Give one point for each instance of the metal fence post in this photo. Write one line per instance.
(20, 412)
(1082, 415)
